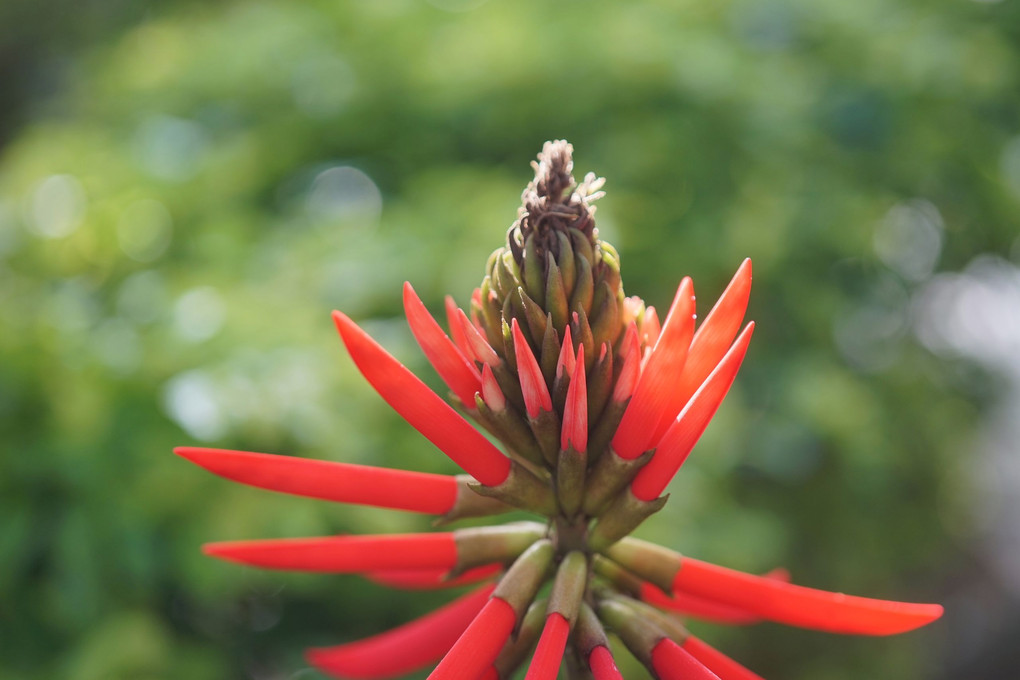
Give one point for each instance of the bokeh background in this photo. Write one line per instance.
(187, 189)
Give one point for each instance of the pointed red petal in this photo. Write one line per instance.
(681, 437)
(799, 606)
(717, 662)
(431, 579)
(710, 343)
(456, 330)
(491, 392)
(481, 350)
(671, 662)
(631, 370)
(423, 408)
(453, 367)
(545, 664)
(602, 664)
(404, 649)
(340, 482)
(342, 554)
(575, 411)
(650, 328)
(566, 361)
(658, 378)
(536, 393)
(479, 646)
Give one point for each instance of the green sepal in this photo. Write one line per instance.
(624, 514)
(567, 265)
(608, 477)
(581, 333)
(555, 295)
(534, 274)
(546, 426)
(507, 341)
(533, 315)
(582, 245)
(606, 326)
(509, 385)
(570, 472)
(605, 428)
(550, 352)
(584, 288)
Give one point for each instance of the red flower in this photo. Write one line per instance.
(597, 406)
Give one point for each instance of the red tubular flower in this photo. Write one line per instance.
(421, 407)
(340, 482)
(343, 554)
(404, 649)
(799, 606)
(592, 408)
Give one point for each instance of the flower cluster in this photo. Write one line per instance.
(596, 405)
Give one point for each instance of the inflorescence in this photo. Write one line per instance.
(596, 405)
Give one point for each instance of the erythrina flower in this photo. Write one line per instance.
(596, 406)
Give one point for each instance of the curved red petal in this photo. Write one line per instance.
(342, 554)
(453, 367)
(574, 430)
(491, 392)
(339, 482)
(536, 392)
(403, 649)
(479, 646)
(456, 330)
(658, 378)
(481, 350)
(631, 370)
(799, 606)
(431, 579)
(602, 664)
(671, 662)
(423, 408)
(717, 662)
(681, 437)
(710, 343)
(545, 664)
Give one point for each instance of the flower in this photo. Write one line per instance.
(597, 406)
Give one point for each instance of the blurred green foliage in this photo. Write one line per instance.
(177, 222)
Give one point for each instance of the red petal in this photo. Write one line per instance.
(710, 343)
(658, 378)
(480, 348)
(631, 370)
(340, 482)
(575, 411)
(479, 646)
(453, 367)
(491, 392)
(456, 331)
(681, 437)
(431, 579)
(799, 606)
(671, 662)
(566, 361)
(423, 408)
(342, 554)
(650, 327)
(536, 393)
(545, 664)
(717, 662)
(602, 665)
(404, 649)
